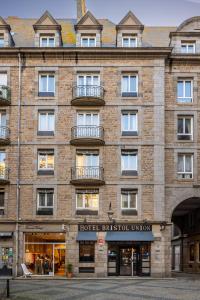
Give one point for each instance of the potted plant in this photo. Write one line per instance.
(69, 270)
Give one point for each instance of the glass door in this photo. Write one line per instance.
(88, 124)
(126, 266)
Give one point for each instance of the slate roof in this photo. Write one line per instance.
(23, 33)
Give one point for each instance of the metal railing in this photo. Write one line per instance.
(5, 92)
(4, 132)
(87, 173)
(88, 91)
(4, 173)
(87, 131)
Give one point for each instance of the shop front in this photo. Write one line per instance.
(6, 253)
(44, 253)
(124, 249)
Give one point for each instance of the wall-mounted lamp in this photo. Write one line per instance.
(110, 213)
(163, 226)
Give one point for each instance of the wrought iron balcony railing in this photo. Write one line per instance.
(87, 173)
(4, 133)
(87, 131)
(4, 173)
(88, 91)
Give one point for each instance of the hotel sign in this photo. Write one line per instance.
(114, 227)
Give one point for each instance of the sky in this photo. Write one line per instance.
(149, 12)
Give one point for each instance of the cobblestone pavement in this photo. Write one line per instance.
(172, 289)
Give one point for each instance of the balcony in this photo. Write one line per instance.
(4, 135)
(5, 95)
(87, 135)
(87, 176)
(88, 95)
(4, 175)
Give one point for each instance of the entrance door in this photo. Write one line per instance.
(126, 261)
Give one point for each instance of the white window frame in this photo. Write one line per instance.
(47, 87)
(183, 133)
(46, 117)
(187, 44)
(85, 79)
(47, 37)
(182, 175)
(129, 37)
(88, 41)
(181, 99)
(130, 208)
(135, 154)
(38, 199)
(84, 201)
(129, 83)
(46, 161)
(84, 113)
(129, 121)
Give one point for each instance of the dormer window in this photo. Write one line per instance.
(129, 41)
(1, 41)
(47, 41)
(88, 41)
(188, 47)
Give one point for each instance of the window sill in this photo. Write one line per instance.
(45, 172)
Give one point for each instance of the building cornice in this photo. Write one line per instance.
(184, 34)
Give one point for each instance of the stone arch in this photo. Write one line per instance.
(187, 24)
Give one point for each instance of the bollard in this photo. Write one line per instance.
(8, 288)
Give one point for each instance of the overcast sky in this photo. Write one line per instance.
(150, 12)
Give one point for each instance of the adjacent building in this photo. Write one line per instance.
(99, 145)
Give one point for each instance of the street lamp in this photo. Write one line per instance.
(110, 213)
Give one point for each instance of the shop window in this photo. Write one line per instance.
(185, 166)
(6, 261)
(129, 86)
(86, 252)
(45, 201)
(2, 200)
(46, 123)
(185, 128)
(129, 123)
(47, 85)
(192, 252)
(185, 91)
(45, 162)
(129, 162)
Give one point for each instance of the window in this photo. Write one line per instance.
(129, 123)
(88, 124)
(191, 252)
(1, 41)
(46, 123)
(2, 209)
(129, 162)
(128, 199)
(188, 47)
(129, 41)
(129, 86)
(88, 85)
(45, 201)
(88, 41)
(184, 91)
(87, 200)
(47, 41)
(185, 128)
(3, 172)
(86, 252)
(185, 166)
(46, 85)
(46, 162)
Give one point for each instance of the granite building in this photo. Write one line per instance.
(99, 146)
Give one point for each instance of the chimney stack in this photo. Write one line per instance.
(81, 9)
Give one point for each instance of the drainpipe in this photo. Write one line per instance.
(18, 163)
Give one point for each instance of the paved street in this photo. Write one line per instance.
(177, 288)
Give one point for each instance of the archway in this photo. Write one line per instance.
(186, 236)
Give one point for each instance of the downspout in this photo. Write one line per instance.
(18, 163)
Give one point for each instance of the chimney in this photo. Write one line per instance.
(81, 9)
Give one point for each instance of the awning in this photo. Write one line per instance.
(86, 236)
(141, 236)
